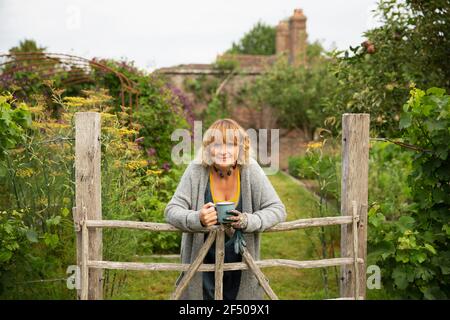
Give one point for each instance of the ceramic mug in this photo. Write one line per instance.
(222, 208)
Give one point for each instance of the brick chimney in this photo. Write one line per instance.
(282, 38)
(297, 38)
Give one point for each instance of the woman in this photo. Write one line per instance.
(224, 170)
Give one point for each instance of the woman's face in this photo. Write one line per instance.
(224, 154)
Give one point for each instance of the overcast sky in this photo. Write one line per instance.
(170, 32)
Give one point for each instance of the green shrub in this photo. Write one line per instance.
(389, 169)
(300, 167)
(13, 123)
(14, 238)
(260, 40)
(313, 164)
(410, 45)
(413, 250)
(39, 179)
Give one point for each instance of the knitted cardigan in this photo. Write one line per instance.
(259, 200)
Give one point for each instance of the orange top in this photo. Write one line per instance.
(236, 196)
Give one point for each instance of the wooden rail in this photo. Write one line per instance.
(267, 263)
(284, 226)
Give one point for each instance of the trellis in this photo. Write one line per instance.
(77, 70)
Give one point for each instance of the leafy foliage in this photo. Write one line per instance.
(295, 93)
(323, 168)
(159, 109)
(389, 168)
(314, 164)
(209, 90)
(410, 47)
(260, 40)
(13, 238)
(24, 75)
(413, 249)
(13, 123)
(38, 173)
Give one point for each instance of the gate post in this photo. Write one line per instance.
(354, 187)
(88, 192)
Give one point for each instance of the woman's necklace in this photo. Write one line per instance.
(228, 169)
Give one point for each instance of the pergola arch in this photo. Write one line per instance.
(78, 69)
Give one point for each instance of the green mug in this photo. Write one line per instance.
(222, 208)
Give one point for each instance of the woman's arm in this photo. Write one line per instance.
(179, 211)
(272, 210)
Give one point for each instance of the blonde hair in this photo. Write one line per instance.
(223, 128)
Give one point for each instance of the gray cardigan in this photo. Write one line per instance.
(259, 200)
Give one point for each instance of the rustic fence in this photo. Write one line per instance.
(353, 220)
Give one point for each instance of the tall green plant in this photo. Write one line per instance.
(411, 45)
(324, 169)
(159, 111)
(260, 40)
(295, 94)
(13, 124)
(413, 250)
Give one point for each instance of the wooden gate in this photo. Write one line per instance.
(88, 221)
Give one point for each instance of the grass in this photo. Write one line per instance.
(287, 283)
(291, 283)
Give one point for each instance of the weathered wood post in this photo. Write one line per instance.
(84, 258)
(220, 256)
(88, 193)
(354, 187)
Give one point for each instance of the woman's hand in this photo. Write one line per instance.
(238, 220)
(208, 215)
